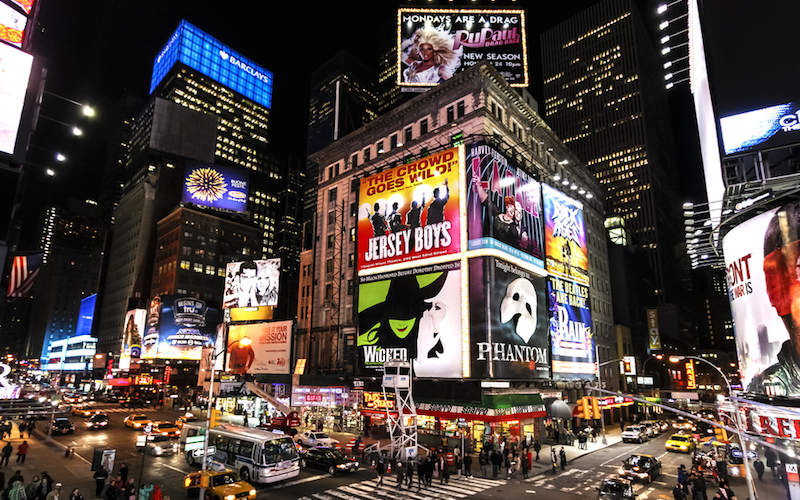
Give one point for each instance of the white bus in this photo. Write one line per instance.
(259, 456)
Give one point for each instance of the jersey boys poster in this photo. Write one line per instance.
(570, 330)
(508, 321)
(411, 314)
(410, 212)
(761, 260)
(565, 236)
(504, 207)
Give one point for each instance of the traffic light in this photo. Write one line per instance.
(596, 409)
(216, 417)
(584, 411)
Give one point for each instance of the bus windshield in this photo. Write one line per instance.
(279, 450)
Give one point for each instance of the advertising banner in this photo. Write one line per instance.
(508, 321)
(16, 71)
(571, 330)
(135, 326)
(270, 349)
(252, 283)
(504, 207)
(761, 129)
(178, 328)
(12, 25)
(410, 212)
(411, 315)
(216, 186)
(435, 44)
(761, 257)
(565, 236)
(652, 327)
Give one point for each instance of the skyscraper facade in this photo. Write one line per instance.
(604, 96)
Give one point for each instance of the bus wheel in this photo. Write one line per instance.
(190, 458)
(245, 474)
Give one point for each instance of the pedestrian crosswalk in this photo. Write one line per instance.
(579, 482)
(368, 490)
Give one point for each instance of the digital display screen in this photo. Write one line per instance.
(760, 129)
(565, 236)
(571, 333)
(12, 25)
(15, 72)
(216, 186)
(204, 53)
(178, 328)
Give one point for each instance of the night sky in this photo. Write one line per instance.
(95, 51)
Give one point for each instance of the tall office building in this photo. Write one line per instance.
(604, 95)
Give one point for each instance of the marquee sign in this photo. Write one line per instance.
(481, 413)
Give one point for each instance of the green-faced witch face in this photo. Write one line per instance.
(402, 327)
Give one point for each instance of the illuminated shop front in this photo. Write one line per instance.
(325, 407)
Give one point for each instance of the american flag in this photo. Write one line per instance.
(23, 274)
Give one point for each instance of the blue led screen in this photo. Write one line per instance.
(86, 315)
(761, 129)
(204, 53)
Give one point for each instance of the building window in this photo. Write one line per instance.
(349, 287)
(353, 209)
(451, 114)
(332, 195)
(393, 142)
(331, 217)
(186, 251)
(366, 154)
(354, 185)
(408, 135)
(352, 234)
(423, 127)
(210, 270)
(221, 272)
(460, 109)
(354, 160)
(379, 147)
(185, 265)
(198, 267)
(352, 260)
(330, 240)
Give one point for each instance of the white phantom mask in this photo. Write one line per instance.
(520, 300)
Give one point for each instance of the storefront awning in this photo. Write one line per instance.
(493, 408)
(556, 408)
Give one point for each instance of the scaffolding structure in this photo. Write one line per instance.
(397, 378)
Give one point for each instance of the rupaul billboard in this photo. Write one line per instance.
(565, 236)
(215, 186)
(410, 212)
(504, 207)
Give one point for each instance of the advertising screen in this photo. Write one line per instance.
(86, 316)
(252, 283)
(508, 328)
(12, 25)
(412, 314)
(760, 129)
(270, 349)
(761, 258)
(565, 236)
(504, 207)
(410, 212)
(215, 186)
(135, 326)
(15, 71)
(179, 328)
(435, 44)
(202, 52)
(570, 330)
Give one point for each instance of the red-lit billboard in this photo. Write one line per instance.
(12, 25)
(410, 212)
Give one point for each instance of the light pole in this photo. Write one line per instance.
(750, 490)
(599, 384)
(245, 342)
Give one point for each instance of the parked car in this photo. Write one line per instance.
(62, 426)
(680, 442)
(327, 459)
(97, 421)
(137, 421)
(315, 440)
(644, 467)
(158, 445)
(650, 428)
(634, 433)
(616, 488)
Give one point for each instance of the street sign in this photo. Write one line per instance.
(141, 440)
(199, 453)
(195, 439)
(148, 428)
(193, 446)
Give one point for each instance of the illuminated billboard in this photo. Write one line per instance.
(509, 331)
(215, 186)
(179, 328)
(411, 212)
(570, 330)
(435, 44)
(761, 258)
(504, 207)
(270, 349)
(761, 129)
(252, 283)
(86, 315)
(12, 25)
(565, 236)
(202, 52)
(15, 72)
(135, 326)
(412, 314)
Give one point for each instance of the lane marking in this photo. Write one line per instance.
(299, 481)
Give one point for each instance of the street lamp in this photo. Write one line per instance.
(750, 491)
(246, 341)
(599, 383)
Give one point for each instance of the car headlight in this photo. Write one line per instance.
(230, 497)
(621, 470)
(252, 493)
(341, 466)
(356, 464)
(683, 447)
(137, 425)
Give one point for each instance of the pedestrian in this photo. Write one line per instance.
(400, 476)
(115, 490)
(553, 458)
(483, 461)
(100, 476)
(555, 435)
(357, 446)
(22, 428)
(157, 494)
(123, 472)
(771, 459)
(5, 454)
(524, 466)
(380, 468)
(678, 493)
(468, 465)
(30, 490)
(22, 451)
(622, 425)
(17, 492)
(130, 490)
(759, 466)
(45, 487)
(410, 473)
(75, 495)
(563, 455)
(699, 487)
(457, 460)
(55, 494)
(421, 481)
(537, 448)
(507, 464)
(145, 492)
(429, 468)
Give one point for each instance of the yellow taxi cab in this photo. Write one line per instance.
(84, 411)
(166, 429)
(681, 442)
(137, 421)
(189, 417)
(223, 484)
